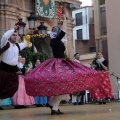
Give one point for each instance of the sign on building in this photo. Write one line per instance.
(45, 8)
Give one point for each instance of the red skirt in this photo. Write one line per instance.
(104, 90)
(60, 76)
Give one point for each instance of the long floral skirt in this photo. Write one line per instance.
(60, 76)
(40, 100)
(104, 90)
(20, 97)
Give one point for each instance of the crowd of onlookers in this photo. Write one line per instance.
(22, 100)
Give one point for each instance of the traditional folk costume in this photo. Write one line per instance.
(20, 98)
(78, 97)
(8, 65)
(59, 76)
(5, 102)
(40, 101)
(105, 89)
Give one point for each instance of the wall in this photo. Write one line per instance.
(96, 19)
(83, 46)
(87, 14)
(113, 35)
(11, 10)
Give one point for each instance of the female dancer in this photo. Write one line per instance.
(20, 98)
(105, 89)
(59, 76)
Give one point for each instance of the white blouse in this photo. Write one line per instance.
(77, 60)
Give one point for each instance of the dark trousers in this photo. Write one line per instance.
(8, 84)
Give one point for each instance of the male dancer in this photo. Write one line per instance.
(9, 61)
(78, 97)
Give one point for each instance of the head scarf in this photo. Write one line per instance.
(56, 30)
(54, 34)
(98, 61)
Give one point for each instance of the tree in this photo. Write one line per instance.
(32, 57)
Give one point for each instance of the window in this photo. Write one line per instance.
(79, 19)
(102, 2)
(79, 34)
(103, 21)
(105, 48)
(92, 49)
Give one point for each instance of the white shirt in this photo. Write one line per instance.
(77, 60)
(10, 56)
(20, 65)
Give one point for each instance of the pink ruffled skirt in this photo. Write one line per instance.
(60, 76)
(20, 97)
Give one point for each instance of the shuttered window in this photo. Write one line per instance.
(79, 20)
(79, 34)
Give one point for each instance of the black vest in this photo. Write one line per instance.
(7, 46)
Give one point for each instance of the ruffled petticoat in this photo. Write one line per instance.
(20, 97)
(5, 102)
(60, 76)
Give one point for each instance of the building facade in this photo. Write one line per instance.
(100, 26)
(83, 33)
(11, 10)
(113, 35)
(107, 36)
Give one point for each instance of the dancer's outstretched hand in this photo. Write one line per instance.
(16, 26)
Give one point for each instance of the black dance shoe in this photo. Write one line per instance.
(20, 107)
(75, 103)
(56, 112)
(39, 105)
(1, 108)
(81, 103)
(104, 102)
(100, 102)
(48, 105)
(60, 112)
